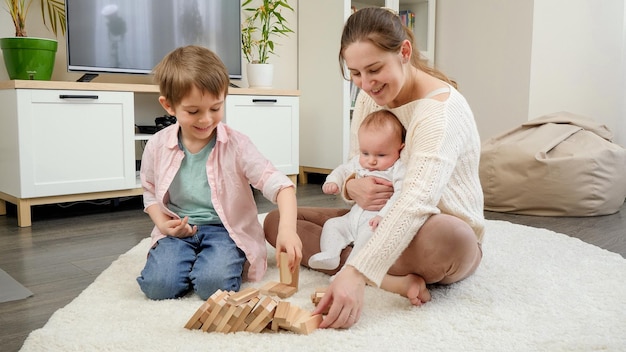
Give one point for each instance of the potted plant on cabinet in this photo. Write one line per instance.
(30, 57)
(263, 23)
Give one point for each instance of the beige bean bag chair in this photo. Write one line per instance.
(556, 165)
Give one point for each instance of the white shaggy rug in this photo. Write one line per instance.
(536, 290)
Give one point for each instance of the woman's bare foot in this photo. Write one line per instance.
(411, 286)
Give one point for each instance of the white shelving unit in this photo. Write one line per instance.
(325, 102)
(70, 141)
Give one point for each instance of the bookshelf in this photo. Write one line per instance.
(326, 98)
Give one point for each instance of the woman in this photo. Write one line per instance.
(432, 234)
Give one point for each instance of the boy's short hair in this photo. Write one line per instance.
(380, 118)
(189, 66)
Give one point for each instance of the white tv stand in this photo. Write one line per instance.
(74, 141)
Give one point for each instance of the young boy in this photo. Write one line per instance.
(381, 139)
(196, 176)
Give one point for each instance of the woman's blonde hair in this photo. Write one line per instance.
(385, 30)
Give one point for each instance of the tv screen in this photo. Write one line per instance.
(132, 36)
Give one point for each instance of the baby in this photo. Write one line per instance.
(381, 139)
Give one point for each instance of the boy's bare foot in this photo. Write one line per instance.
(411, 286)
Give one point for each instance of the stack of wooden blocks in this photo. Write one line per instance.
(255, 310)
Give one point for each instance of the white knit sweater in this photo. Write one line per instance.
(441, 156)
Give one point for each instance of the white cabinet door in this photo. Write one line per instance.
(75, 141)
(272, 123)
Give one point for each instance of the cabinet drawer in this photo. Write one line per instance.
(75, 141)
(272, 123)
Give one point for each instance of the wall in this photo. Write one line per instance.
(486, 50)
(578, 62)
(518, 60)
(285, 76)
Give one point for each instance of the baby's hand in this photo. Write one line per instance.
(330, 188)
(375, 221)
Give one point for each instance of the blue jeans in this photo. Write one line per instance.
(205, 262)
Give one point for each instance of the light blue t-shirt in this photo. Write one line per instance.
(190, 193)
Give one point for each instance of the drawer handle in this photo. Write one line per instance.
(73, 96)
(264, 100)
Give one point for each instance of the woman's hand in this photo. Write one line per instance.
(370, 193)
(345, 298)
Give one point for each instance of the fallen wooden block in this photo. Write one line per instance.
(306, 325)
(267, 289)
(262, 310)
(243, 296)
(240, 323)
(254, 310)
(278, 289)
(280, 316)
(317, 296)
(216, 307)
(194, 322)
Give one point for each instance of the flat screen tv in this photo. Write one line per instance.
(132, 36)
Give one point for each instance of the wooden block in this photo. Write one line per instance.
(217, 305)
(284, 291)
(265, 324)
(216, 297)
(240, 324)
(263, 310)
(243, 296)
(286, 276)
(212, 302)
(233, 318)
(266, 289)
(197, 325)
(214, 318)
(309, 324)
(195, 318)
(296, 323)
(295, 277)
(317, 296)
(223, 323)
(280, 315)
(291, 317)
(205, 316)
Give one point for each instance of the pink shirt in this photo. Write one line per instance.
(233, 165)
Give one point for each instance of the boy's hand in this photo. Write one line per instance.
(292, 245)
(178, 228)
(330, 188)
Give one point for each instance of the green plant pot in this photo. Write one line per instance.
(29, 58)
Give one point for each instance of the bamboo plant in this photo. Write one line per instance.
(263, 23)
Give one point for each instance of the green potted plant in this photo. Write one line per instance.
(28, 57)
(258, 29)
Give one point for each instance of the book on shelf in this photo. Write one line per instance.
(408, 18)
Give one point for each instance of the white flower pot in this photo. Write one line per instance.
(260, 75)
